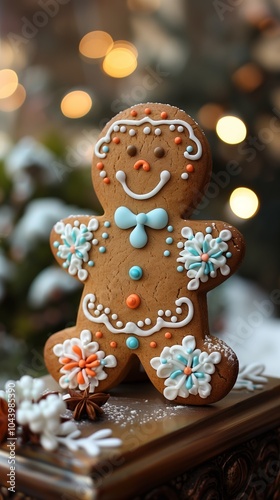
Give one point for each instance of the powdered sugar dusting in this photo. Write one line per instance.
(223, 348)
(141, 412)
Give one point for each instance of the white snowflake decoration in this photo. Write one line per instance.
(186, 369)
(76, 243)
(203, 255)
(43, 417)
(83, 364)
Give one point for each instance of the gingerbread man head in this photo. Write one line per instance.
(146, 269)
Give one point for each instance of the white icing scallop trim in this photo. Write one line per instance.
(130, 326)
(107, 138)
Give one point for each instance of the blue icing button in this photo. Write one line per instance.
(180, 269)
(56, 244)
(169, 241)
(170, 229)
(107, 223)
(105, 149)
(90, 263)
(102, 249)
(135, 273)
(189, 149)
(132, 343)
(208, 229)
(105, 236)
(166, 253)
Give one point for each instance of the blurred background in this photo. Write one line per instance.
(67, 67)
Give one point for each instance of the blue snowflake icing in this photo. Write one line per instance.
(77, 240)
(202, 255)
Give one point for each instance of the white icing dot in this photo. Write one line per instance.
(123, 129)
(95, 242)
(180, 128)
(103, 173)
(119, 324)
(157, 131)
(184, 176)
(148, 321)
(96, 312)
(172, 128)
(174, 319)
(107, 310)
(180, 244)
(76, 223)
(132, 132)
(146, 130)
(116, 128)
(168, 313)
(178, 310)
(100, 307)
(114, 316)
(160, 312)
(91, 306)
(140, 324)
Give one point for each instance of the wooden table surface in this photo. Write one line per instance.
(160, 441)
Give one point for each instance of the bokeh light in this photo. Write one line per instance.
(121, 61)
(248, 77)
(8, 82)
(76, 104)
(244, 202)
(95, 44)
(143, 5)
(14, 101)
(231, 129)
(209, 114)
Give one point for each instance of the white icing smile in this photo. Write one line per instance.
(164, 178)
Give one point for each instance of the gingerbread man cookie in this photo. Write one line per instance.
(146, 269)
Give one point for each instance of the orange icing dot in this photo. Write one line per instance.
(163, 115)
(99, 335)
(113, 344)
(147, 111)
(133, 112)
(187, 370)
(205, 257)
(100, 165)
(189, 168)
(116, 140)
(133, 301)
(106, 180)
(153, 344)
(168, 335)
(177, 140)
(82, 363)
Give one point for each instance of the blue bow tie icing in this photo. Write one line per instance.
(124, 219)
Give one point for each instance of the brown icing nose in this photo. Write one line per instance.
(142, 163)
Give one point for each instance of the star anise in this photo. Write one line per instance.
(86, 404)
(3, 419)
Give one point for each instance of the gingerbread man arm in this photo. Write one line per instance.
(72, 240)
(210, 252)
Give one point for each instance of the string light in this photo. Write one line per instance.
(14, 101)
(76, 104)
(231, 129)
(244, 202)
(95, 44)
(8, 83)
(121, 61)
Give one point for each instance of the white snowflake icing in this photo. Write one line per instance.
(83, 363)
(76, 243)
(203, 255)
(186, 369)
(42, 415)
(251, 377)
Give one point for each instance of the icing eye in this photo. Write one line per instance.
(159, 152)
(131, 150)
